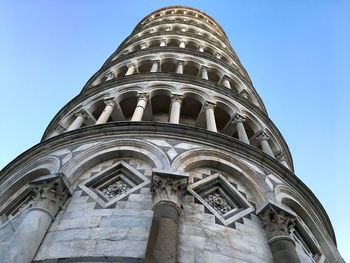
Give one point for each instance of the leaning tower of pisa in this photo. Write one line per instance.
(166, 155)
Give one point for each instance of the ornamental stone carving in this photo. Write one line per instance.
(217, 201)
(276, 221)
(49, 193)
(168, 187)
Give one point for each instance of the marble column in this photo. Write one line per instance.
(201, 49)
(175, 108)
(155, 65)
(163, 43)
(238, 121)
(49, 194)
(131, 69)
(167, 191)
(282, 159)
(106, 112)
(226, 82)
(263, 138)
(182, 44)
(204, 72)
(277, 224)
(78, 121)
(140, 107)
(210, 116)
(180, 67)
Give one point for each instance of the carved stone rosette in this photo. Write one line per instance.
(168, 188)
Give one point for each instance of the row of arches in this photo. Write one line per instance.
(180, 24)
(180, 12)
(187, 66)
(187, 162)
(189, 107)
(177, 41)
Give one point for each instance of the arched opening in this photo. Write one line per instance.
(191, 68)
(127, 106)
(173, 43)
(190, 109)
(221, 118)
(145, 66)
(213, 76)
(121, 71)
(168, 65)
(160, 107)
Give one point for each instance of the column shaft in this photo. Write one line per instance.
(140, 108)
(175, 110)
(180, 67)
(105, 114)
(155, 66)
(210, 118)
(162, 240)
(131, 70)
(283, 251)
(77, 123)
(226, 83)
(204, 73)
(26, 240)
(242, 135)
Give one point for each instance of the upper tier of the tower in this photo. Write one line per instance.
(177, 66)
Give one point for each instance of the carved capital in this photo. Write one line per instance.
(238, 118)
(280, 156)
(110, 75)
(203, 68)
(142, 96)
(131, 65)
(109, 102)
(156, 61)
(180, 62)
(177, 98)
(49, 193)
(209, 105)
(276, 221)
(168, 187)
(244, 93)
(80, 113)
(262, 136)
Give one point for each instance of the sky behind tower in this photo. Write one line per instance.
(297, 54)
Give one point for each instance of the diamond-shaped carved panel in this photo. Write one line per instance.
(221, 198)
(114, 183)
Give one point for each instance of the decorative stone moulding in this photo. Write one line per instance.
(221, 198)
(114, 184)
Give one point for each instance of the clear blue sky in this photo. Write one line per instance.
(296, 52)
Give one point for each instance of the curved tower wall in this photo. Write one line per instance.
(166, 155)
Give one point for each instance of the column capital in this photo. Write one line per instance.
(143, 45)
(109, 101)
(244, 93)
(238, 118)
(109, 74)
(156, 61)
(209, 105)
(276, 221)
(80, 113)
(131, 65)
(280, 156)
(262, 136)
(177, 98)
(49, 193)
(142, 95)
(225, 77)
(203, 68)
(180, 62)
(168, 187)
